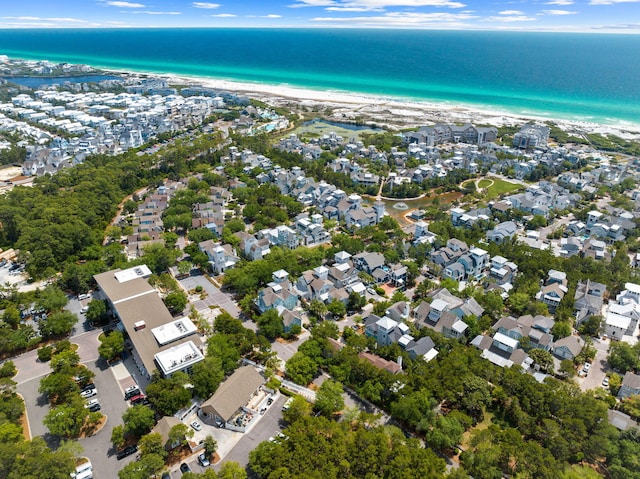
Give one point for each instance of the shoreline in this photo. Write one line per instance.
(394, 113)
(390, 112)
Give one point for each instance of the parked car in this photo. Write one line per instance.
(269, 401)
(139, 399)
(586, 368)
(287, 405)
(131, 392)
(84, 309)
(87, 387)
(196, 425)
(184, 467)
(204, 462)
(88, 393)
(605, 382)
(371, 291)
(127, 451)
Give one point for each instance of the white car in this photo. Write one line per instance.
(605, 382)
(196, 425)
(204, 461)
(89, 393)
(586, 368)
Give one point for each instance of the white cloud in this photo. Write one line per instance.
(271, 15)
(563, 3)
(351, 9)
(611, 2)
(46, 19)
(403, 20)
(205, 5)
(223, 15)
(313, 3)
(511, 12)
(511, 19)
(147, 12)
(374, 5)
(558, 12)
(125, 5)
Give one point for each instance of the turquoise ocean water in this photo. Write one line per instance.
(589, 77)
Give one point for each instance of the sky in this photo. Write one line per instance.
(611, 16)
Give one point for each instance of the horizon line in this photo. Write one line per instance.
(607, 31)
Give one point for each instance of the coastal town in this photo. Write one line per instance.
(198, 282)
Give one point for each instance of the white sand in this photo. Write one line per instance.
(392, 112)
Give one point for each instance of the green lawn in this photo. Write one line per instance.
(484, 183)
(500, 187)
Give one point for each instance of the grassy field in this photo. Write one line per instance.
(500, 187)
(484, 183)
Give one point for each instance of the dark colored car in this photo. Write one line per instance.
(127, 451)
(269, 401)
(88, 386)
(131, 392)
(139, 399)
(184, 467)
(94, 407)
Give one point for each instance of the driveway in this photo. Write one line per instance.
(599, 367)
(285, 350)
(214, 298)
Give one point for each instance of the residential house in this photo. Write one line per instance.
(531, 136)
(163, 427)
(568, 348)
(252, 247)
(386, 331)
(221, 257)
(279, 292)
(588, 300)
(380, 363)
(502, 231)
(630, 385)
(552, 292)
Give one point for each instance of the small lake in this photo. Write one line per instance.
(35, 82)
(338, 124)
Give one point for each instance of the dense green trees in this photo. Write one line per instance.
(138, 420)
(111, 345)
(301, 369)
(206, 376)
(623, 357)
(329, 400)
(316, 447)
(168, 395)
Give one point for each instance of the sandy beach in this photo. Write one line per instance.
(392, 113)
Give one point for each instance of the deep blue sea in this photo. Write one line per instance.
(590, 77)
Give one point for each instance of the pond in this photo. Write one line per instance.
(398, 209)
(338, 124)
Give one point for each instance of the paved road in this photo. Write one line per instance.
(269, 426)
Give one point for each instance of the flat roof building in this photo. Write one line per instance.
(155, 335)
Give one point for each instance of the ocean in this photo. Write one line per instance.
(585, 77)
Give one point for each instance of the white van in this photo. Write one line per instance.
(83, 471)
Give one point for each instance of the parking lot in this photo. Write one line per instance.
(235, 446)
